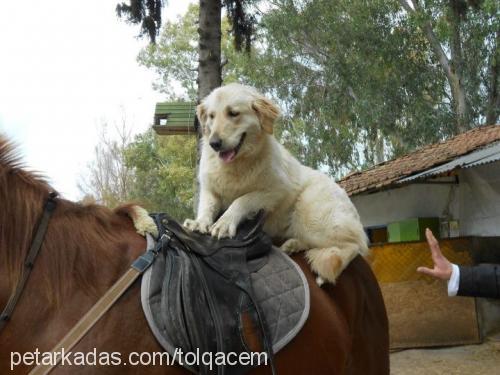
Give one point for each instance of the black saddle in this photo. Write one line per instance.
(206, 287)
(204, 295)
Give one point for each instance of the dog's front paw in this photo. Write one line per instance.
(292, 245)
(224, 227)
(202, 226)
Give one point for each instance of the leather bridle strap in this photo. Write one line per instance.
(84, 325)
(36, 244)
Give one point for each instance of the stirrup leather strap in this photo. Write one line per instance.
(84, 325)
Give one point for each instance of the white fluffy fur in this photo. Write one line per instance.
(143, 223)
(303, 206)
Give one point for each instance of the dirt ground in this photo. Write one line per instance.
(467, 360)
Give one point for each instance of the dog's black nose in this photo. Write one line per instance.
(216, 143)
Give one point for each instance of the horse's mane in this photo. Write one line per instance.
(10, 163)
(80, 243)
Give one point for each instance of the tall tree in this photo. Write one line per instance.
(360, 82)
(464, 37)
(148, 14)
(175, 58)
(209, 63)
(356, 83)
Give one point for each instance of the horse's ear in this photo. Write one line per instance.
(201, 112)
(267, 112)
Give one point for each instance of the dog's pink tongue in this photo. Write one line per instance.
(227, 156)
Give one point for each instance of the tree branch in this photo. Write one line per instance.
(431, 37)
(406, 6)
(437, 48)
(453, 77)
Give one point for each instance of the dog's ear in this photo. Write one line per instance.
(267, 112)
(201, 112)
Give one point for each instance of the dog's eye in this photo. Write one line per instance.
(211, 115)
(233, 113)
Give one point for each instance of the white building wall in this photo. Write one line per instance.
(404, 203)
(475, 202)
(480, 201)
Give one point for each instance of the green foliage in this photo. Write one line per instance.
(469, 33)
(357, 81)
(242, 21)
(164, 173)
(356, 84)
(144, 12)
(175, 57)
(148, 14)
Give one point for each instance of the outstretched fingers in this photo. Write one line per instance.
(434, 245)
(442, 267)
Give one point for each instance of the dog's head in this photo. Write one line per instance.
(234, 120)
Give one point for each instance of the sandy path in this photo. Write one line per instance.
(467, 360)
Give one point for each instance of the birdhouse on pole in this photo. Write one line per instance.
(174, 118)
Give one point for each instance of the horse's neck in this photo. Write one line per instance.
(85, 249)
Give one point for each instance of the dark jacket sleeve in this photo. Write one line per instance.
(482, 280)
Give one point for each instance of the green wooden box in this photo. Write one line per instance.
(412, 229)
(175, 118)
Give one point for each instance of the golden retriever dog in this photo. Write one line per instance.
(244, 169)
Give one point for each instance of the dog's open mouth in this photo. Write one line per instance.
(229, 155)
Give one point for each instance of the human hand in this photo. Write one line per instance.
(442, 266)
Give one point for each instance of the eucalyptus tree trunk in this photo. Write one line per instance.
(456, 74)
(209, 46)
(209, 62)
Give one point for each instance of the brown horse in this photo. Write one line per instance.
(88, 247)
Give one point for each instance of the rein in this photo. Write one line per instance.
(36, 244)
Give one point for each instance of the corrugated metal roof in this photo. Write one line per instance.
(482, 156)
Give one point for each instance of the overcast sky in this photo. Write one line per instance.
(65, 67)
